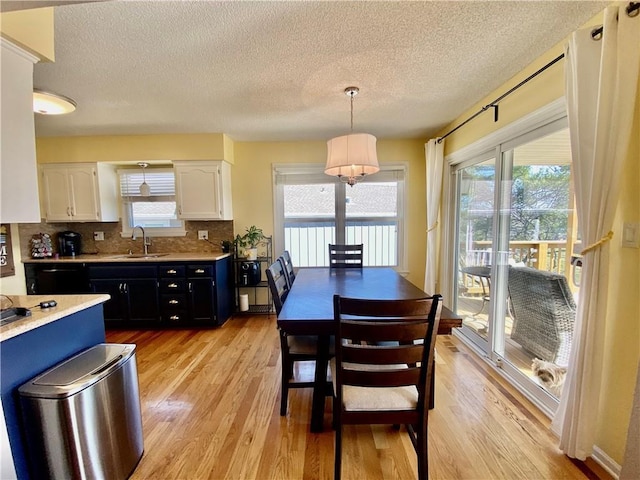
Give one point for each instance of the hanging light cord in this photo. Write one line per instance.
(352, 94)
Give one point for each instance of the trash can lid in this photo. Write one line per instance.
(78, 372)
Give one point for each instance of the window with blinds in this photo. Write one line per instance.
(156, 213)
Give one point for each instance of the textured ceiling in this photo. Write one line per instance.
(277, 70)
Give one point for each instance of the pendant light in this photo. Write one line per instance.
(145, 189)
(351, 157)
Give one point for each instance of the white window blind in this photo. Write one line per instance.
(161, 182)
(155, 213)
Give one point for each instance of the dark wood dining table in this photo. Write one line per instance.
(308, 310)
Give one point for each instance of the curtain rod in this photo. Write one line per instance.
(632, 10)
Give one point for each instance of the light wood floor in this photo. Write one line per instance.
(210, 407)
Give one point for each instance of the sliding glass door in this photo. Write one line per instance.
(515, 281)
(476, 212)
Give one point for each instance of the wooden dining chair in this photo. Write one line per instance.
(384, 377)
(346, 256)
(293, 348)
(287, 265)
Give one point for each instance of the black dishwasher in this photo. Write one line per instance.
(57, 278)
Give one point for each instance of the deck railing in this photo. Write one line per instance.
(307, 240)
(548, 255)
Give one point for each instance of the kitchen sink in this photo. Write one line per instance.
(140, 255)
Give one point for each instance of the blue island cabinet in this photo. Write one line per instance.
(24, 355)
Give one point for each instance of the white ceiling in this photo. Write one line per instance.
(277, 70)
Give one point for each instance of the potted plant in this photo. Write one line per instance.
(249, 241)
(226, 245)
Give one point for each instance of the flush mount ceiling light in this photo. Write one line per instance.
(47, 103)
(352, 156)
(145, 189)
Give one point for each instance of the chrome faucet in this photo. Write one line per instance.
(145, 239)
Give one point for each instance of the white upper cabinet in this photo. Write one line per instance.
(203, 190)
(18, 169)
(82, 192)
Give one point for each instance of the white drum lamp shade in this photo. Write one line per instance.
(352, 156)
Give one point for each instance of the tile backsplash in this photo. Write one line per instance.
(114, 243)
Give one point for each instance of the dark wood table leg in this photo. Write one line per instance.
(320, 381)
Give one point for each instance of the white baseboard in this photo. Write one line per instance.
(606, 462)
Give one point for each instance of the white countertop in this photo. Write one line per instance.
(114, 257)
(67, 305)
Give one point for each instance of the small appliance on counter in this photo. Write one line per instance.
(249, 273)
(69, 244)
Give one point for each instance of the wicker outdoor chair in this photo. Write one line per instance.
(544, 313)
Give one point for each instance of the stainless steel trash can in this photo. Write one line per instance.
(82, 417)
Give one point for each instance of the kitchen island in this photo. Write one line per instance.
(35, 343)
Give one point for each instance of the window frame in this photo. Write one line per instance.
(314, 173)
(125, 216)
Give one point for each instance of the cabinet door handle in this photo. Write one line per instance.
(172, 285)
(171, 272)
(190, 287)
(173, 301)
(120, 287)
(174, 318)
(125, 288)
(200, 270)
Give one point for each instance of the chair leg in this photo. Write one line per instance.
(334, 417)
(284, 395)
(338, 452)
(423, 455)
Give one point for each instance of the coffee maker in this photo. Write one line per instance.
(69, 244)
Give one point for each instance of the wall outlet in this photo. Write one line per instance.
(203, 234)
(631, 235)
(98, 236)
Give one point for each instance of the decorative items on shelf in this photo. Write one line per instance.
(41, 246)
(252, 292)
(226, 245)
(249, 242)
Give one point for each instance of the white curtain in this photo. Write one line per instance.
(601, 83)
(435, 165)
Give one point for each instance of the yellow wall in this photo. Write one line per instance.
(623, 318)
(251, 172)
(132, 148)
(229, 148)
(30, 29)
(253, 191)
